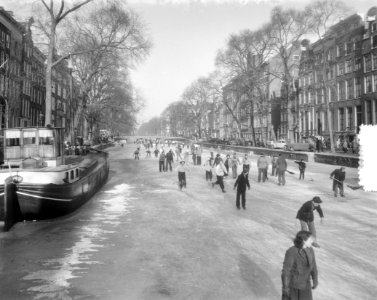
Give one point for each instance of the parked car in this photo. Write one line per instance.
(279, 144)
(224, 142)
(304, 146)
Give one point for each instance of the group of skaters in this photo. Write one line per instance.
(299, 272)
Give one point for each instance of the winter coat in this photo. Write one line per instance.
(262, 162)
(301, 165)
(169, 156)
(281, 163)
(338, 174)
(299, 265)
(305, 213)
(162, 157)
(220, 170)
(241, 182)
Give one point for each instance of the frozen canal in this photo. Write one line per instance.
(142, 238)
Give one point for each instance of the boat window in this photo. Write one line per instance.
(77, 172)
(66, 175)
(29, 137)
(12, 138)
(46, 137)
(72, 174)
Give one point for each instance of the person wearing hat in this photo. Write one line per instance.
(306, 216)
(241, 183)
(299, 274)
(338, 176)
(181, 169)
(217, 160)
(208, 168)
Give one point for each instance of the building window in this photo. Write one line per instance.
(374, 59)
(341, 119)
(367, 63)
(368, 112)
(341, 68)
(358, 64)
(368, 84)
(341, 91)
(349, 48)
(358, 87)
(350, 88)
(375, 83)
(349, 66)
(340, 50)
(374, 41)
(349, 118)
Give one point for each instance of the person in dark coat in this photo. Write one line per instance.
(338, 176)
(241, 183)
(299, 267)
(301, 167)
(306, 216)
(161, 161)
(281, 165)
(169, 160)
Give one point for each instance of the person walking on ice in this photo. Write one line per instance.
(208, 168)
(299, 267)
(301, 167)
(241, 183)
(220, 172)
(281, 165)
(181, 169)
(338, 176)
(234, 164)
(306, 216)
(136, 153)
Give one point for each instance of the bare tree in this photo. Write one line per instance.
(244, 63)
(322, 15)
(110, 38)
(56, 14)
(288, 27)
(198, 96)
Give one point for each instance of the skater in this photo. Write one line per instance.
(298, 268)
(227, 163)
(306, 216)
(156, 152)
(220, 172)
(338, 176)
(216, 160)
(246, 163)
(161, 161)
(262, 167)
(208, 168)
(136, 153)
(241, 183)
(181, 168)
(274, 171)
(169, 160)
(194, 153)
(301, 167)
(233, 165)
(281, 164)
(199, 155)
(148, 152)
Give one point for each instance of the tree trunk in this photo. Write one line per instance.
(50, 56)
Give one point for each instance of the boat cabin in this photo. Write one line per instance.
(31, 147)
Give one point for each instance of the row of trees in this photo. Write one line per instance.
(101, 43)
(242, 66)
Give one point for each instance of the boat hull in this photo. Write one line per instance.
(47, 201)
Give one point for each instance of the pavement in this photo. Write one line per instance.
(141, 237)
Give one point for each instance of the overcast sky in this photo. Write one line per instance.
(186, 36)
